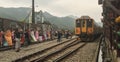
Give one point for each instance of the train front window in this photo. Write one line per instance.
(78, 23)
(89, 23)
(83, 23)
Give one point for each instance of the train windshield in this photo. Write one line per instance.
(78, 23)
(89, 23)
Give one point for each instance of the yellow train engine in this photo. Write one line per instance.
(84, 28)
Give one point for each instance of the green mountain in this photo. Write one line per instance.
(20, 14)
(62, 22)
(14, 13)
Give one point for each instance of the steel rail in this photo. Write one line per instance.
(39, 52)
(41, 59)
(69, 53)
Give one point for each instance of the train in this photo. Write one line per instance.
(86, 29)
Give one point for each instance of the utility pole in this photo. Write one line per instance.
(33, 12)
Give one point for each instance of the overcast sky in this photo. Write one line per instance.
(60, 7)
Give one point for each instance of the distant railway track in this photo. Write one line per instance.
(35, 55)
(12, 47)
(6, 48)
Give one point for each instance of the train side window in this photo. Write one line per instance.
(78, 23)
(89, 23)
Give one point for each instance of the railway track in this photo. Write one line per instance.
(88, 53)
(12, 47)
(61, 53)
(10, 55)
(6, 48)
(43, 52)
(69, 53)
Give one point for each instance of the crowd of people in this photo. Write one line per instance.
(18, 37)
(65, 34)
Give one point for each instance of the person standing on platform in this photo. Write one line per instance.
(70, 34)
(1, 38)
(8, 37)
(59, 35)
(13, 37)
(18, 35)
(27, 38)
(36, 34)
(40, 36)
(67, 34)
